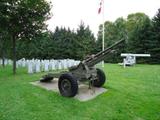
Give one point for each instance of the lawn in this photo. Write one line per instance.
(133, 94)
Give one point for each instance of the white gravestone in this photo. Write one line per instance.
(30, 67)
(38, 66)
(46, 65)
(52, 65)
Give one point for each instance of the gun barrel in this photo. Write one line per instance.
(91, 61)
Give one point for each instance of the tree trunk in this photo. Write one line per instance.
(3, 58)
(2, 52)
(14, 54)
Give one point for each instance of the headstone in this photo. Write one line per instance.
(10, 62)
(42, 65)
(46, 65)
(5, 62)
(34, 65)
(52, 64)
(0, 61)
(23, 62)
(37, 66)
(69, 63)
(30, 67)
(65, 64)
(59, 65)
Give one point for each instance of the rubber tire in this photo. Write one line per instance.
(73, 82)
(101, 78)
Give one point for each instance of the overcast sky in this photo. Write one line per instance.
(69, 13)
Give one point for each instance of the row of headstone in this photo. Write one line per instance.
(6, 62)
(36, 65)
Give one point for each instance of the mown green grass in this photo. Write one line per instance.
(133, 94)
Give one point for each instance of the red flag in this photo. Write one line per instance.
(100, 8)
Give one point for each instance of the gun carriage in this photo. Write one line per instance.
(85, 71)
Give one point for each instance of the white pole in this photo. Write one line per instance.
(103, 29)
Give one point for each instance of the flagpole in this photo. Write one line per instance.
(103, 30)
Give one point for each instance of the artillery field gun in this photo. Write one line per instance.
(83, 72)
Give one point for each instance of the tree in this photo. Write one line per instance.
(70, 44)
(85, 41)
(39, 47)
(138, 25)
(114, 31)
(4, 46)
(24, 19)
(154, 45)
(63, 43)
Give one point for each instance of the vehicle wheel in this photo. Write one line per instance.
(101, 78)
(67, 85)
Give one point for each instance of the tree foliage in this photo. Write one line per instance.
(114, 31)
(4, 45)
(23, 20)
(61, 44)
(140, 32)
(138, 26)
(154, 43)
